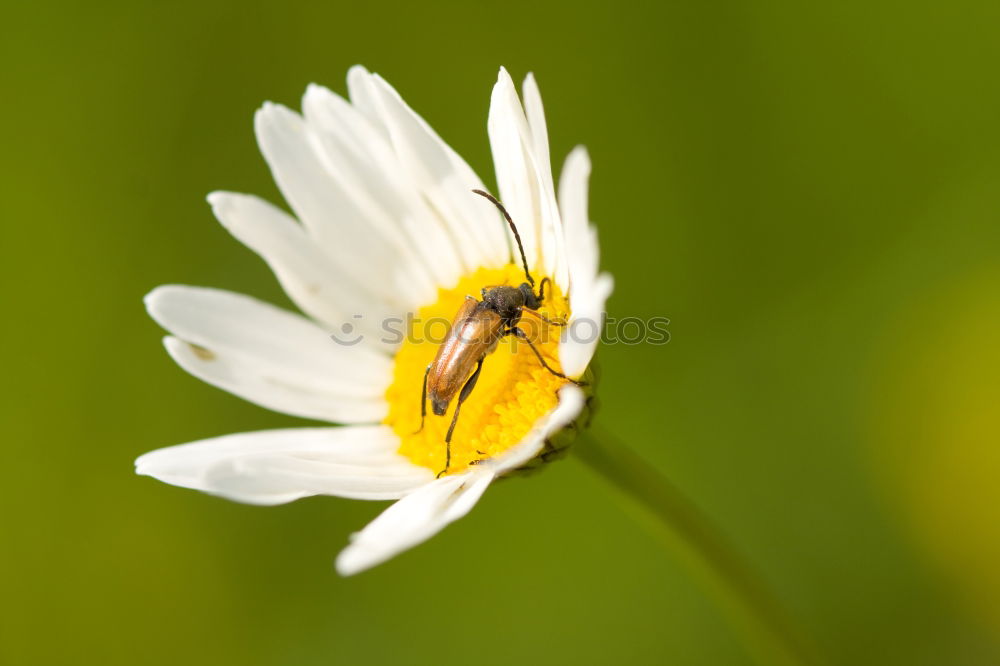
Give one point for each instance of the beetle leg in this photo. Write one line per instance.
(521, 335)
(423, 400)
(470, 384)
(553, 322)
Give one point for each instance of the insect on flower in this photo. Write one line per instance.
(383, 227)
(475, 332)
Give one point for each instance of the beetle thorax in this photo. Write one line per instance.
(506, 302)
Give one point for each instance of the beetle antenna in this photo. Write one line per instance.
(513, 228)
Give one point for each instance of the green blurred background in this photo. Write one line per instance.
(810, 193)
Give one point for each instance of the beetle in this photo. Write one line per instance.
(475, 333)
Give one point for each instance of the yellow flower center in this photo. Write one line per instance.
(513, 390)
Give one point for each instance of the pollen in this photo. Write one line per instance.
(513, 391)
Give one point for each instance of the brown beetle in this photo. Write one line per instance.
(475, 332)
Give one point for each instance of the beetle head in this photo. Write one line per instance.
(530, 300)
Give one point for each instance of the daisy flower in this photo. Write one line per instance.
(387, 239)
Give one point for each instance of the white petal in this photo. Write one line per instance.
(523, 188)
(554, 238)
(269, 356)
(571, 402)
(580, 339)
(222, 320)
(315, 282)
(412, 520)
(277, 466)
(535, 113)
(588, 291)
(361, 90)
(330, 210)
(581, 238)
(359, 156)
(445, 180)
(272, 387)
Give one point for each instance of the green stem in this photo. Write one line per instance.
(675, 520)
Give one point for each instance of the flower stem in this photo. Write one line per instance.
(676, 521)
